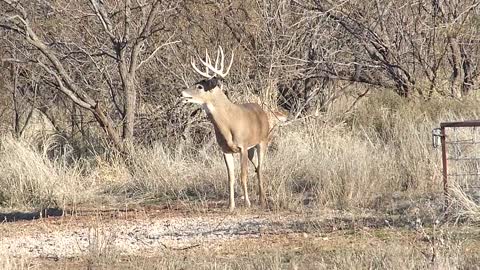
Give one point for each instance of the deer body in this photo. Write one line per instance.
(247, 130)
(239, 128)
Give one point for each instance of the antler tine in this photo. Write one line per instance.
(217, 62)
(223, 58)
(207, 59)
(208, 65)
(204, 74)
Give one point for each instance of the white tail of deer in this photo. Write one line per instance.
(239, 128)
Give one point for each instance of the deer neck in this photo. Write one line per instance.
(219, 110)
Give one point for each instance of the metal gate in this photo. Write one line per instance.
(460, 143)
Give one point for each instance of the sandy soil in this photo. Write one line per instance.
(142, 232)
(76, 240)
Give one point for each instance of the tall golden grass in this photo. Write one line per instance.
(339, 160)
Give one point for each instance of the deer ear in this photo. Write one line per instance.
(210, 84)
(217, 82)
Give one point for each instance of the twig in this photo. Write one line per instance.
(357, 100)
(156, 50)
(182, 248)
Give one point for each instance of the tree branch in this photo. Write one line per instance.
(102, 15)
(155, 51)
(64, 89)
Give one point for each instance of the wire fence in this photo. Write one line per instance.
(460, 144)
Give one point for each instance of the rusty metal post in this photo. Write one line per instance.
(444, 164)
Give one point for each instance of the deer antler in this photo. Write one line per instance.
(218, 69)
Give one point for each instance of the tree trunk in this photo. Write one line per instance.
(129, 109)
(458, 77)
(107, 126)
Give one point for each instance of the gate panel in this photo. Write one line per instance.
(460, 143)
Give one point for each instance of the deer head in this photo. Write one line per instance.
(210, 88)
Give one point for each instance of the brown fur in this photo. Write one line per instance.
(239, 128)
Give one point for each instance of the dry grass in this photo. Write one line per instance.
(30, 178)
(340, 161)
(9, 263)
(467, 205)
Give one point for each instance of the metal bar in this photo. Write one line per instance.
(467, 187)
(465, 158)
(472, 123)
(463, 174)
(444, 164)
(462, 142)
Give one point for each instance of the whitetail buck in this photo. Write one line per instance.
(239, 128)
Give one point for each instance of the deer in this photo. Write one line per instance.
(239, 128)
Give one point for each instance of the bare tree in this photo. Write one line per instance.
(126, 36)
(104, 62)
(394, 45)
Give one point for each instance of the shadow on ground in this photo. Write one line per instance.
(31, 215)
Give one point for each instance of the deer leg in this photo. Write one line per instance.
(251, 155)
(229, 161)
(261, 149)
(243, 175)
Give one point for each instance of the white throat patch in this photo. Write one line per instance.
(209, 108)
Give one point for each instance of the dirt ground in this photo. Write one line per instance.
(148, 231)
(77, 238)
